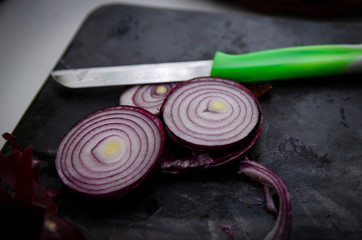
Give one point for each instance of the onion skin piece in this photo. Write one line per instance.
(269, 203)
(19, 174)
(110, 152)
(182, 157)
(173, 163)
(261, 174)
(259, 89)
(27, 210)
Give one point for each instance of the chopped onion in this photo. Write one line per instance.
(149, 97)
(110, 151)
(260, 173)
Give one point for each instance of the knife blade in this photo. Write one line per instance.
(267, 65)
(132, 74)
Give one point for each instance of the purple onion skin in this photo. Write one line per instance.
(194, 160)
(261, 174)
(194, 157)
(121, 192)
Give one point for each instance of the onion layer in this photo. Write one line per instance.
(210, 113)
(261, 174)
(110, 151)
(149, 97)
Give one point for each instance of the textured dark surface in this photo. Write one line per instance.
(311, 134)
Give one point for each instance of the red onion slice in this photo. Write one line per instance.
(110, 151)
(210, 113)
(149, 97)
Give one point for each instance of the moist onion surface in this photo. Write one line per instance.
(149, 97)
(110, 151)
(210, 112)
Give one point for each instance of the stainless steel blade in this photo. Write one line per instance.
(132, 74)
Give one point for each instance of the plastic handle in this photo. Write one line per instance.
(289, 63)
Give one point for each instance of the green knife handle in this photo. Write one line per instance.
(288, 63)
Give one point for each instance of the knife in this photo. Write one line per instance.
(267, 65)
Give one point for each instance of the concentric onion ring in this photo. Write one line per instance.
(110, 151)
(210, 113)
(149, 97)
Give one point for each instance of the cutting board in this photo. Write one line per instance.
(311, 135)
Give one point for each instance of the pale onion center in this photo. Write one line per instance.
(161, 89)
(110, 149)
(217, 105)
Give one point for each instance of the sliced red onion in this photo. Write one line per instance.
(149, 97)
(110, 151)
(210, 113)
(218, 120)
(260, 173)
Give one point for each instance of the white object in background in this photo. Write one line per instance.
(34, 35)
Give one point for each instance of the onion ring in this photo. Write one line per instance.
(110, 152)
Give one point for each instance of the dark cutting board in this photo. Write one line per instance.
(311, 134)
